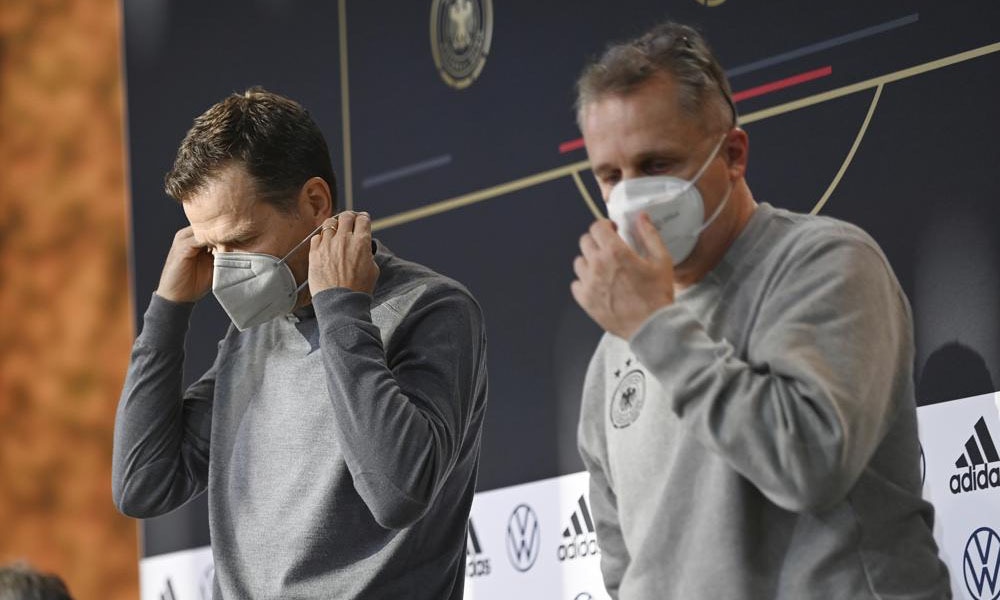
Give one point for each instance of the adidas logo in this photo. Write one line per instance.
(168, 594)
(579, 538)
(472, 546)
(477, 565)
(981, 461)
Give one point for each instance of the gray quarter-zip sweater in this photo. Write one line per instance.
(339, 448)
(757, 439)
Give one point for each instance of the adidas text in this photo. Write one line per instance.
(585, 547)
(973, 480)
(477, 567)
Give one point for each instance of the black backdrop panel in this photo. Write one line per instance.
(923, 180)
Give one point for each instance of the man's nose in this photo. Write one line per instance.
(631, 174)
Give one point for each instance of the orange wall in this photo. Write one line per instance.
(65, 325)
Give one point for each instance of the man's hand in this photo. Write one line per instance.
(340, 255)
(187, 273)
(615, 286)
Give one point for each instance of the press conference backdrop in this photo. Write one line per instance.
(451, 121)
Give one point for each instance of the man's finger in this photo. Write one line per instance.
(187, 245)
(185, 236)
(345, 221)
(363, 225)
(587, 245)
(603, 232)
(327, 228)
(650, 240)
(580, 268)
(576, 288)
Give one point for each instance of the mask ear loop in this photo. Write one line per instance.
(718, 210)
(708, 161)
(292, 251)
(300, 288)
(729, 193)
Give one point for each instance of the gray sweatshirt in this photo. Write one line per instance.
(339, 447)
(757, 439)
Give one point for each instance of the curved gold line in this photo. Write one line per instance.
(586, 195)
(497, 190)
(869, 83)
(850, 155)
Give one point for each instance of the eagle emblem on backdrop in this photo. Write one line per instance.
(461, 32)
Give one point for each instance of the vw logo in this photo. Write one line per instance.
(981, 564)
(923, 465)
(523, 538)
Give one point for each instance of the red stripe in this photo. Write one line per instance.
(781, 84)
(570, 145)
(760, 90)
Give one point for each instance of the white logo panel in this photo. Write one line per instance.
(531, 531)
(184, 575)
(959, 440)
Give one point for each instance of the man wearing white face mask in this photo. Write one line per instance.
(748, 420)
(338, 432)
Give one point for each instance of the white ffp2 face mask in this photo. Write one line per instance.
(675, 206)
(255, 288)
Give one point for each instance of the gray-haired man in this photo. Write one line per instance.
(748, 420)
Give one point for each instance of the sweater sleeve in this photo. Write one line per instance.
(160, 455)
(829, 353)
(403, 413)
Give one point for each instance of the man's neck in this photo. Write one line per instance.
(716, 240)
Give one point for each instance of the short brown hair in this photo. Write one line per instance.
(271, 136)
(675, 49)
(19, 581)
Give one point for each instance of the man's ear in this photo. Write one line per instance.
(736, 150)
(315, 200)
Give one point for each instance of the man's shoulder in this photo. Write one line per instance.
(803, 230)
(405, 282)
(801, 237)
(806, 250)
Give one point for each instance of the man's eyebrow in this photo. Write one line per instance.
(239, 235)
(672, 154)
(602, 169)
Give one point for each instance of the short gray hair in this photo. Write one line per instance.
(671, 48)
